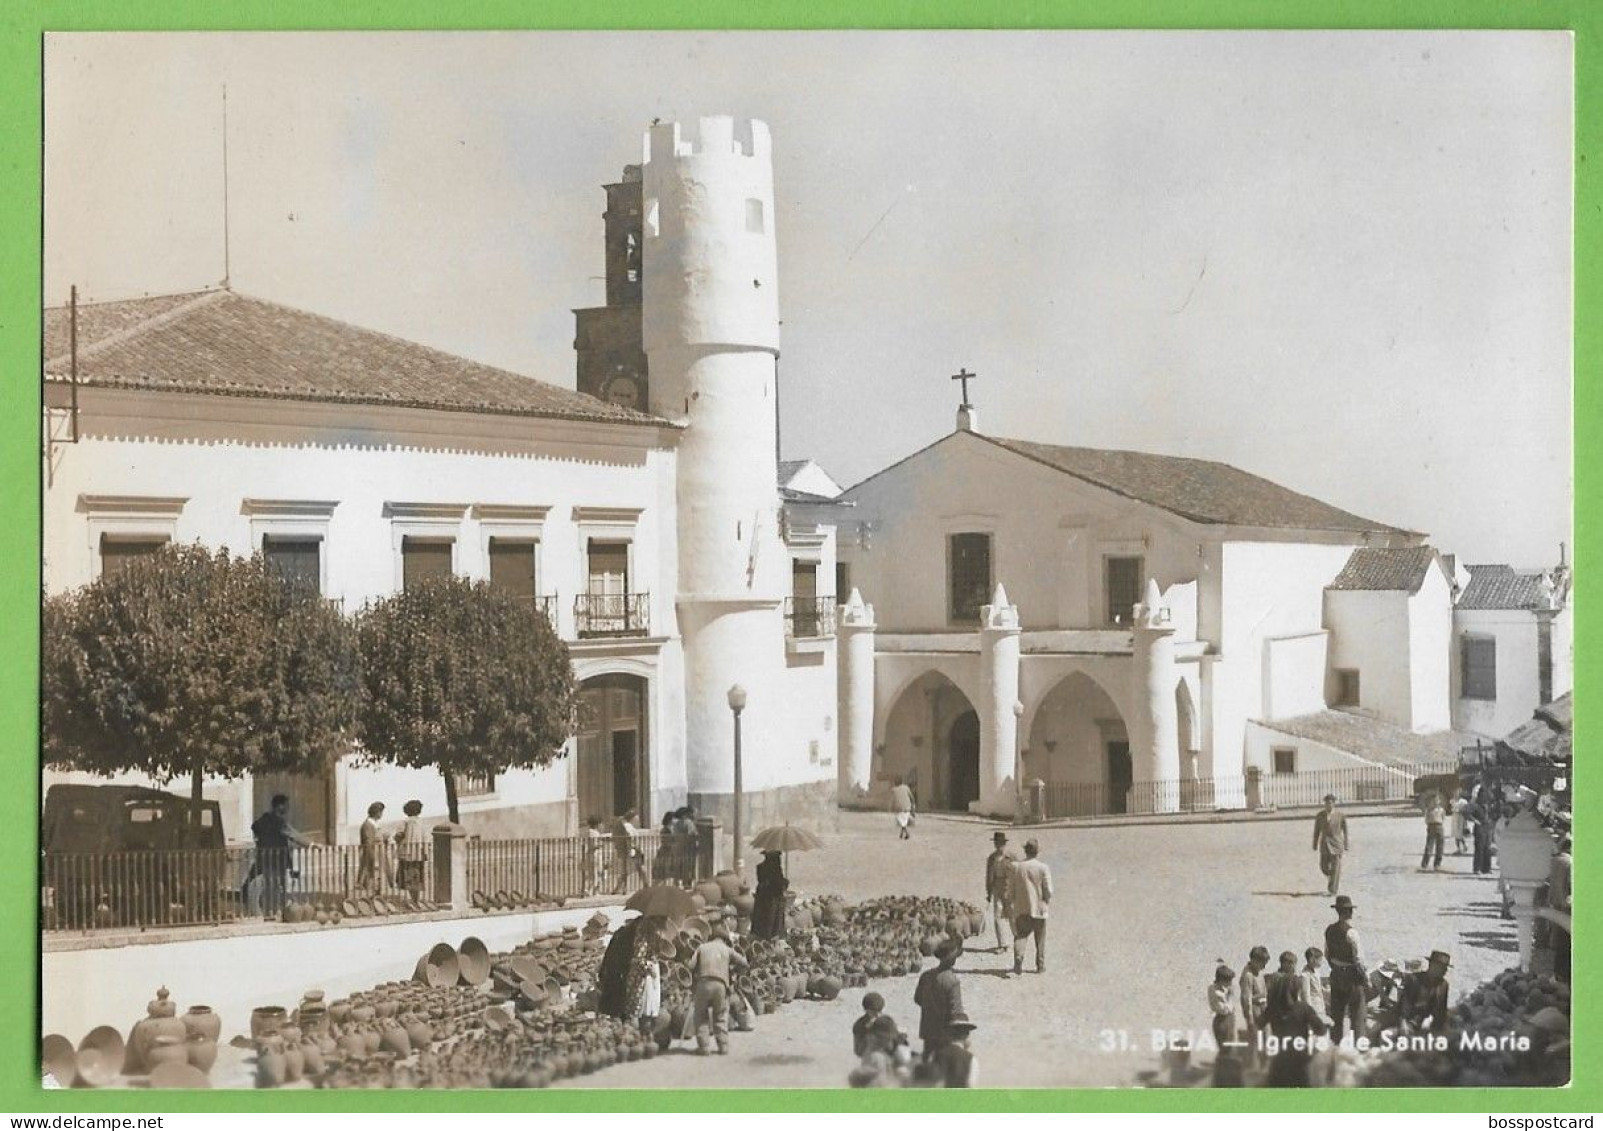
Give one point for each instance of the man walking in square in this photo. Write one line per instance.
(999, 888)
(939, 997)
(713, 965)
(1330, 841)
(1349, 981)
(1031, 891)
(902, 806)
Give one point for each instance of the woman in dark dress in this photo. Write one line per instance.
(768, 916)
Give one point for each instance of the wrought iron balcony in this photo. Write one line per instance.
(808, 618)
(612, 614)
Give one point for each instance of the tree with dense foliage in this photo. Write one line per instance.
(193, 662)
(463, 678)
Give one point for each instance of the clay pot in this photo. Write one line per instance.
(729, 884)
(744, 904)
(312, 1057)
(362, 1014)
(419, 1034)
(201, 1052)
(59, 1059)
(827, 987)
(352, 1043)
(270, 1064)
(373, 1039)
(201, 1022)
(393, 1038)
(160, 1021)
(266, 1021)
(339, 1012)
(386, 1008)
(166, 1049)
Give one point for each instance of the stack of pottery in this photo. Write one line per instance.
(163, 1025)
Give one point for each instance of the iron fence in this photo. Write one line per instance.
(1250, 791)
(612, 614)
(809, 617)
(140, 890)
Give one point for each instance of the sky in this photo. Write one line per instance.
(1338, 260)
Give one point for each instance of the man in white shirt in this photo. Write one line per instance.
(1032, 891)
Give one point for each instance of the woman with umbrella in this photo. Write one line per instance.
(768, 914)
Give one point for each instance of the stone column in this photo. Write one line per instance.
(854, 649)
(451, 866)
(1155, 728)
(999, 725)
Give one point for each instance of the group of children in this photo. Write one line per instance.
(885, 1059)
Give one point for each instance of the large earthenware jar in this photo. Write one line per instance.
(266, 1021)
(201, 1021)
(312, 1057)
(160, 1021)
(728, 882)
(270, 1063)
(166, 1049)
(294, 1061)
(202, 1052)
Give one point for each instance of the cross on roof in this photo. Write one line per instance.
(964, 376)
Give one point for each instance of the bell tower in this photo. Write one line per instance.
(611, 358)
(711, 331)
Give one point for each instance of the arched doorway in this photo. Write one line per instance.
(963, 761)
(612, 764)
(932, 742)
(1080, 747)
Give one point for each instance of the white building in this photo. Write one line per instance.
(656, 542)
(1101, 619)
(1513, 633)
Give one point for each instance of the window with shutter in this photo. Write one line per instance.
(968, 560)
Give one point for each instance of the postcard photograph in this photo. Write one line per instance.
(806, 560)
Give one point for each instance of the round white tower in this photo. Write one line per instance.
(710, 323)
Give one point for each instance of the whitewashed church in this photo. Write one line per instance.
(982, 613)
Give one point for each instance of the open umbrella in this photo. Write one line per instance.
(786, 838)
(664, 900)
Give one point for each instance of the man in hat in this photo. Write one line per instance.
(939, 997)
(999, 887)
(1330, 840)
(1031, 891)
(1424, 997)
(713, 966)
(1349, 981)
(957, 1065)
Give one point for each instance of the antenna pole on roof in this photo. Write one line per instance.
(225, 188)
(72, 365)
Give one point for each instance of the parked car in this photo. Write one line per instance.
(117, 855)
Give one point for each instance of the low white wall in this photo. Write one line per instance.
(234, 974)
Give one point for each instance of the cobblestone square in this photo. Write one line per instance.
(1141, 913)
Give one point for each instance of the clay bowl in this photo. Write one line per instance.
(364, 907)
(438, 968)
(178, 1076)
(60, 1059)
(473, 962)
(349, 909)
(528, 969)
(495, 1019)
(100, 1057)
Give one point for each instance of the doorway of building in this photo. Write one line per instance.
(963, 762)
(612, 771)
(1120, 775)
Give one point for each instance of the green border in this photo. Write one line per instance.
(20, 65)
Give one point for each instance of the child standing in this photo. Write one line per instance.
(873, 1007)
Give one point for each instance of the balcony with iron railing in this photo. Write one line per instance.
(597, 615)
(809, 618)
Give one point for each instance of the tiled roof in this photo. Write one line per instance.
(1198, 489)
(1560, 712)
(1536, 739)
(221, 342)
(1372, 739)
(1373, 568)
(1502, 587)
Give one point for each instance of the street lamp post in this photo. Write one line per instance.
(1018, 763)
(737, 704)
